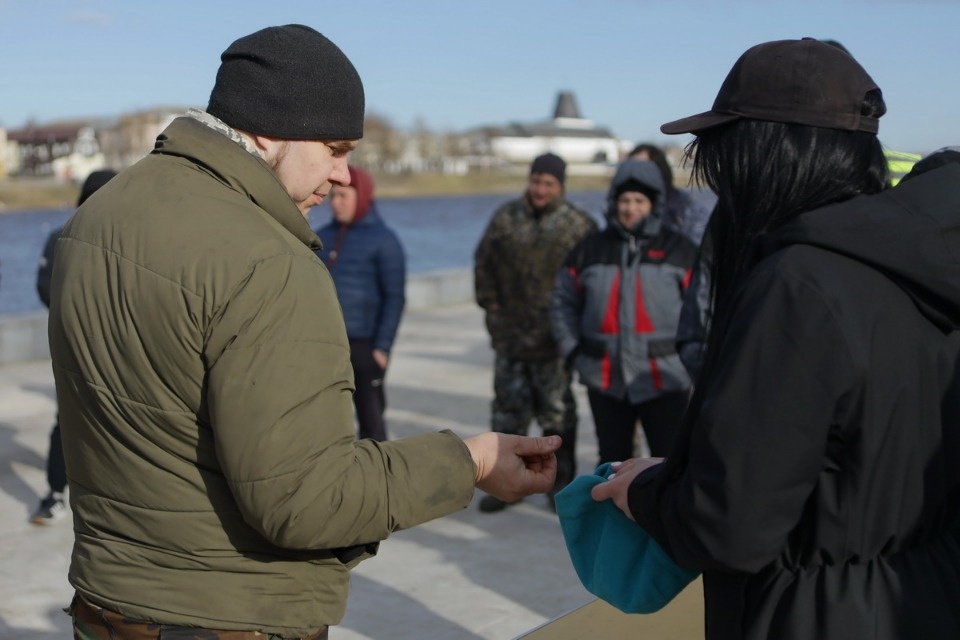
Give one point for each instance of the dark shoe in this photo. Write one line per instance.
(51, 510)
(492, 504)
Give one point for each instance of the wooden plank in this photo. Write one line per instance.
(682, 619)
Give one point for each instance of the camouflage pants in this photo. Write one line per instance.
(528, 389)
(90, 622)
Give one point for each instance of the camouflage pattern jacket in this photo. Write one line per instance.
(515, 266)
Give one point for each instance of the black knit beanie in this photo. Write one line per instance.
(550, 163)
(93, 182)
(289, 83)
(636, 185)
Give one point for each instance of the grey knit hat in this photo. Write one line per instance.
(290, 83)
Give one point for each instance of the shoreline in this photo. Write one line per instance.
(25, 194)
(19, 195)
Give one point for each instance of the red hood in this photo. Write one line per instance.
(363, 183)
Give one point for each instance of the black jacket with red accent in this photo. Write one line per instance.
(818, 485)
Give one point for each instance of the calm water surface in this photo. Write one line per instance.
(438, 232)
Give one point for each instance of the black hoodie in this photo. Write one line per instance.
(819, 487)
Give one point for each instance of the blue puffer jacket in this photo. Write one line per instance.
(368, 267)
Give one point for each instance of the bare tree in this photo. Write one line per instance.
(381, 144)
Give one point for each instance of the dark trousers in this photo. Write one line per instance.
(616, 422)
(56, 465)
(370, 399)
(528, 389)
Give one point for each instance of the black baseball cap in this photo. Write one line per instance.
(806, 82)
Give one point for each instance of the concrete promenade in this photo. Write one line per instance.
(23, 336)
(469, 576)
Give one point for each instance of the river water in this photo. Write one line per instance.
(437, 232)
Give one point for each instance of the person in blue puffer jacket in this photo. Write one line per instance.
(368, 266)
(614, 313)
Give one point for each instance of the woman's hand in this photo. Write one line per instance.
(618, 483)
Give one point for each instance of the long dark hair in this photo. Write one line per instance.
(766, 174)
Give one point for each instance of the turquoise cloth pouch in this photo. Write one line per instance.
(615, 559)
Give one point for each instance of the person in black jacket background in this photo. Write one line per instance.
(816, 479)
(52, 507)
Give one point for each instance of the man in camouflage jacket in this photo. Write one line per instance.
(515, 266)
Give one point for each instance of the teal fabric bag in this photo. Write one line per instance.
(615, 559)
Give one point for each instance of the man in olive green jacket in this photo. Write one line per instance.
(204, 379)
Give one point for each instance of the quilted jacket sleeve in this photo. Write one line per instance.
(391, 279)
(566, 305)
(279, 397)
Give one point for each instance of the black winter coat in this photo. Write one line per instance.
(818, 488)
(45, 270)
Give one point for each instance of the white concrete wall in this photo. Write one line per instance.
(23, 337)
(439, 289)
(573, 150)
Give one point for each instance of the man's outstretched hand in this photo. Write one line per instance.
(512, 467)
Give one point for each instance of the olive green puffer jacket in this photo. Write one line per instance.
(204, 384)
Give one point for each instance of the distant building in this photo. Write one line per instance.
(567, 134)
(67, 150)
(134, 134)
(5, 149)
(72, 150)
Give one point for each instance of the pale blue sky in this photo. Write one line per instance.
(451, 64)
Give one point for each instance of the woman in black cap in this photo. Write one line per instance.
(816, 481)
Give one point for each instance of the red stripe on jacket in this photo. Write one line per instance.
(644, 324)
(655, 373)
(611, 320)
(576, 279)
